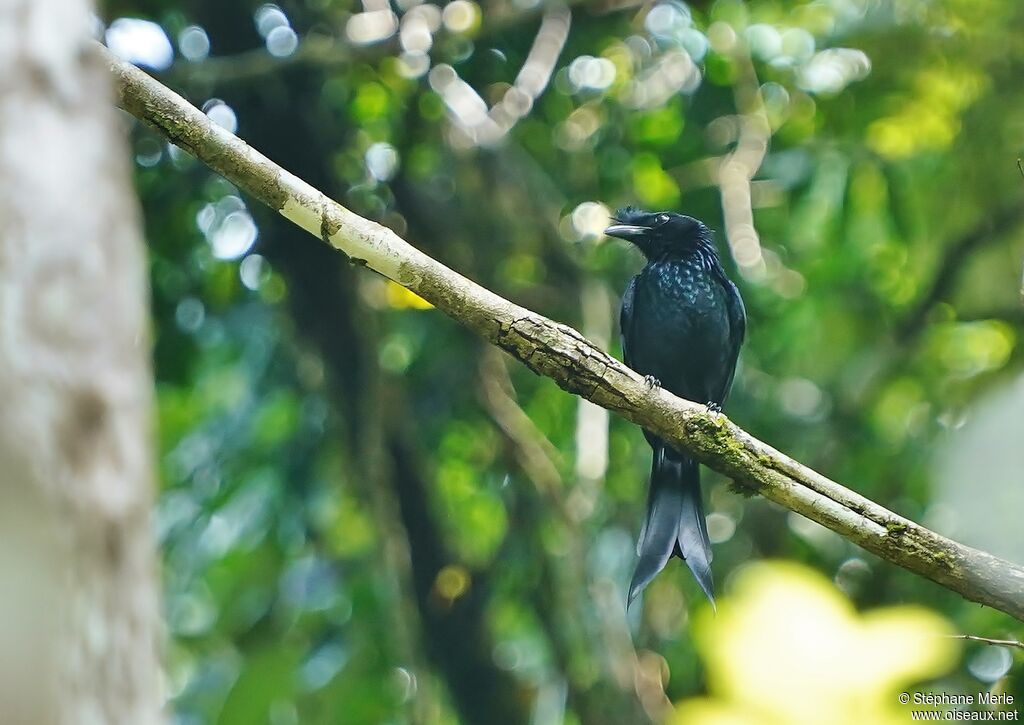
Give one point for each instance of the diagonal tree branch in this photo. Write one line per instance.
(564, 355)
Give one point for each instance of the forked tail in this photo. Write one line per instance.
(675, 523)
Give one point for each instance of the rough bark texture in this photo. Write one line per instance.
(562, 354)
(79, 613)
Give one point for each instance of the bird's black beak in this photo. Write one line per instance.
(629, 232)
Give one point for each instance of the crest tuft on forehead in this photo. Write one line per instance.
(629, 215)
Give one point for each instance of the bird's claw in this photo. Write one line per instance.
(651, 382)
(713, 407)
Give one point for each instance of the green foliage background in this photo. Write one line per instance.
(358, 522)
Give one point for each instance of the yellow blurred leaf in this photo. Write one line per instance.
(653, 186)
(787, 647)
(400, 298)
(929, 120)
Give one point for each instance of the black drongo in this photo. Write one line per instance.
(682, 326)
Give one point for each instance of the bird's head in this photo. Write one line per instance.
(656, 233)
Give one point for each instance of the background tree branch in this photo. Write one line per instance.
(562, 354)
(952, 263)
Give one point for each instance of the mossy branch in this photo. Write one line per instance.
(574, 363)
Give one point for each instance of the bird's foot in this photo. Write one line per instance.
(713, 407)
(651, 382)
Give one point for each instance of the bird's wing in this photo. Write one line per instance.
(737, 328)
(626, 321)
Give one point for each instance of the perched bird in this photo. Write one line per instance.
(682, 323)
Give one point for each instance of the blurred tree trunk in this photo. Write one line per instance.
(78, 609)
